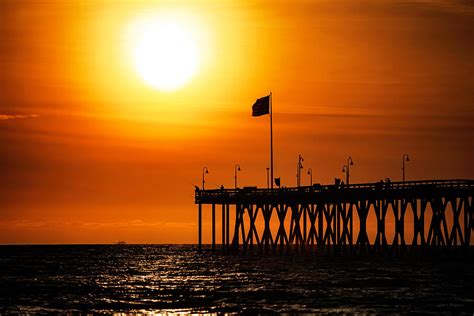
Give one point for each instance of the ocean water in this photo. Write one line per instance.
(168, 278)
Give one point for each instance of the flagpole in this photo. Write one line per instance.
(271, 142)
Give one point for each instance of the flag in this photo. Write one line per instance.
(261, 106)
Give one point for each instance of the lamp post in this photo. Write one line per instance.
(236, 168)
(268, 178)
(298, 170)
(346, 168)
(404, 158)
(310, 172)
(204, 171)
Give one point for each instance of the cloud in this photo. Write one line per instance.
(4, 117)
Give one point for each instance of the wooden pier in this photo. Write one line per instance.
(322, 217)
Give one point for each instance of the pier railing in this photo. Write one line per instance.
(235, 195)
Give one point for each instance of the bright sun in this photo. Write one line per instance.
(165, 55)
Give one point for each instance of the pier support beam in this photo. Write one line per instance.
(199, 226)
(227, 227)
(213, 227)
(223, 244)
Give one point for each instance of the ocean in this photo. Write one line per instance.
(149, 279)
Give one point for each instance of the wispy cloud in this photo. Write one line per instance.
(4, 117)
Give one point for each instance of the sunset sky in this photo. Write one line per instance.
(92, 152)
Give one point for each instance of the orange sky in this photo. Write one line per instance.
(92, 154)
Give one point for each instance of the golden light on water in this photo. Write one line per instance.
(165, 52)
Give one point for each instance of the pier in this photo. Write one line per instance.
(429, 215)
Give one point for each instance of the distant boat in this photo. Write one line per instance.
(121, 242)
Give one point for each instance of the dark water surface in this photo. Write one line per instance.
(160, 278)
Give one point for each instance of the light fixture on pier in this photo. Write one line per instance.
(298, 170)
(310, 172)
(204, 171)
(236, 168)
(346, 168)
(404, 158)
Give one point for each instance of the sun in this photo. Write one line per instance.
(165, 54)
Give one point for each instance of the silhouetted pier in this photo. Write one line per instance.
(434, 215)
